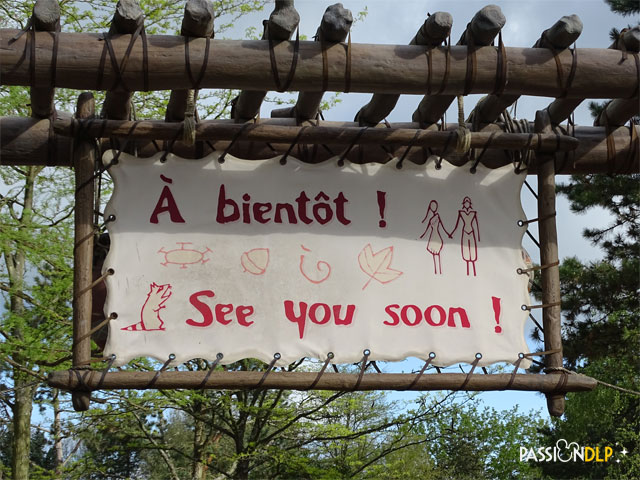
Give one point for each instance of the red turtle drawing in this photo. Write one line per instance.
(184, 256)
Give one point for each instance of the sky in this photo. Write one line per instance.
(396, 22)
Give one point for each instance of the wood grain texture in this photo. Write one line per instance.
(328, 381)
(24, 141)
(375, 68)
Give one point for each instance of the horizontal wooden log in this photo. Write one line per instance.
(24, 141)
(316, 135)
(328, 381)
(375, 68)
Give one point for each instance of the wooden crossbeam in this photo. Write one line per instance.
(317, 135)
(93, 380)
(600, 73)
(25, 141)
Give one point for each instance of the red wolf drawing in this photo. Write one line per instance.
(150, 313)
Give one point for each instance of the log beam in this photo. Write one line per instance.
(316, 135)
(617, 112)
(432, 33)
(329, 381)
(126, 19)
(375, 68)
(334, 28)
(196, 22)
(550, 274)
(282, 22)
(481, 31)
(84, 164)
(24, 141)
(46, 18)
(560, 109)
(560, 36)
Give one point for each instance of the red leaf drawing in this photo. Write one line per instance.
(376, 265)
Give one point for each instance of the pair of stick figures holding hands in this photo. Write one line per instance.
(468, 220)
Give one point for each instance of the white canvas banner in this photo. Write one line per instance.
(253, 258)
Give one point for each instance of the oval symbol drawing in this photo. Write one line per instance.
(255, 261)
(184, 256)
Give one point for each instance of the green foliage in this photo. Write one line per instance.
(624, 7)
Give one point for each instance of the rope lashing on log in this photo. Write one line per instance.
(119, 68)
(501, 67)
(280, 86)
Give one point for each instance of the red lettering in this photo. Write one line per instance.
(242, 312)
(222, 309)
(318, 208)
(313, 316)
(417, 313)
(340, 200)
(166, 203)
(223, 203)
(291, 215)
(259, 211)
(429, 318)
(302, 201)
(348, 317)
(394, 316)
(246, 215)
(462, 315)
(291, 316)
(202, 307)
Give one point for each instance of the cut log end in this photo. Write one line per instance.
(437, 26)
(198, 19)
(46, 15)
(485, 25)
(562, 34)
(127, 17)
(336, 23)
(283, 21)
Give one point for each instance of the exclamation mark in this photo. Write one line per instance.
(382, 202)
(496, 313)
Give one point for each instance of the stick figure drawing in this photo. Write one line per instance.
(470, 233)
(433, 235)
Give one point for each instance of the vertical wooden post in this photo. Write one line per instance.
(551, 316)
(84, 163)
